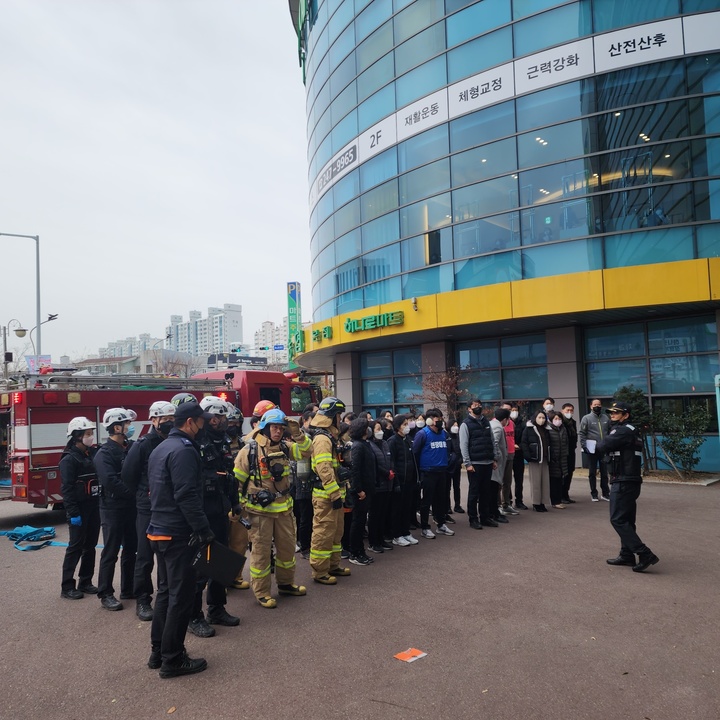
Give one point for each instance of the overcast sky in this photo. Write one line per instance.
(158, 148)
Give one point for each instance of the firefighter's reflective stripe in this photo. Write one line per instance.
(298, 448)
(320, 554)
(323, 457)
(276, 506)
(257, 573)
(241, 475)
(285, 565)
(327, 490)
(337, 548)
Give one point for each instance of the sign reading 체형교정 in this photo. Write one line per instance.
(373, 322)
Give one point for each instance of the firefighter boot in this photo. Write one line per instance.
(267, 602)
(292, 590)
(340, 572)
(326, 580)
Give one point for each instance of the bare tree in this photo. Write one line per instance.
(444, 389)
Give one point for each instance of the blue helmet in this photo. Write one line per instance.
(272, 417)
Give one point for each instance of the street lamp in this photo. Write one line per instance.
(20, 331)
(36, 238)
(37, 327)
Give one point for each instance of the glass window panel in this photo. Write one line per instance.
(348, 246)
(702, 72)
(344, 102)
(605, 378)
(568, 180)
(400, 4)
(705, 157)
(326, 260)
(325, 234)
(453, 5)
(348, 276)
(342, 46)
(606, 343)
(378, 392)
(325, 206)
(379, 293)
(552, 28)
(323, 127)
(341, 17)
(684, 373)
(430, 281)
(682, 336)
(425, 215)
(350, 301)
(484, 162)
(427, 180)
(346, 189)
(523, 350)
(708, 241)
(647, 207)
(381, 263)
(421, 81)
(375, 77)
(374, 47)
(557, 221)
(376, 364)
(482, 126)
(562, 258)
(609, 14)
(485, 198)
(416, 17)
(484, 385)
(326, 288)
(344, 131)
(521, 8)
(372, 17)
(555, 104)
(344, 74)
(347, 217)
(381, 231)
(323, 312)
(418, 49)
(476, 20)
(488, 235)
(549, 145)
(707, 200)
(524, 383)
(647, 248)
(488, 270)
(479, 54)
(428, 249)
(375, 108)
(477, 354)
(380, 200)
(679, 405)
(378, 169)
(409, 389)
(407, 362)
(423, 148)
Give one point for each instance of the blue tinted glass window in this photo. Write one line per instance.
(480, 54)
(570, 179)
(381, 263)
(325, 234)
(346, 189)
(488, 270)
(555, 104)
(342, 46)
(344, 131)
(400, 4)
(453, 5)
(418, 49)
(682, 336)
(608, 343)
(605, 378)
(423, 148)
(649, 247)
(477, 354)
(381, 231)
(344, 102)
(482, 126)
(523, 350)
(323, 127)
(645, 83)
(323, 312)
(343, 75)
(417, 17)
(552, 28)
(484, 385)
(708, 240)
(374, 47)
(562, 258)
(427, 180)
(376, 107)
(488, 235)
(326, 260)
(372, 17)
(326, 288)
(348, 246)
(484, 162)
(552, 144)
(407, 362)
(477, 19)
(684, 374)
(425, 215)
(378, 392)
(521, 8)
(385, 291)
(347, 217)
(703, 76)
(428, 282)
(609, 14)
(341, 17)
(558, 221)
(421, 81)
(408, 389)
(378, 169)
(349, 301)
(348, 276)
(325, 206)
(525, 383)
(665, 205)
(375, 364)
(428, 249)
(380, 200)
(484, 198)
(375, 77)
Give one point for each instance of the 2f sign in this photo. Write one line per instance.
(375, 139)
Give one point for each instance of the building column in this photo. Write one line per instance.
(348, 384)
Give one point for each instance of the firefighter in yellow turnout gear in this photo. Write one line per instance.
(328, 495)
(263, 471)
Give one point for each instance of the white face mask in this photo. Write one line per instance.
(514, 415)
(557, 422)
(549, 407)
(541, 421)
(420, 423)
(88, 441)
(405, 429)
(455, 429)
(411, 425)
(568, 415)
(379, 435)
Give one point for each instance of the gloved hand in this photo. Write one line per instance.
(201, 538)
(337, 504)
(237, 509)
(294, 428)
(76, 521)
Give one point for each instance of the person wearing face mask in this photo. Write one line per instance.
(497, 424)
(234, 428)
(506, 493)
(80, 493)
(402, 506)
(135, 478)
(178, 527)
(535, 445)
(363, 481)
(594, 428)
(518, 466)
(571, 427)
(548, 405)
(557, 458)
(117, 509)
(385, 484)
(454, 473)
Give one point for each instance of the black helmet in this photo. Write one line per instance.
(183, 397)
(331, 407)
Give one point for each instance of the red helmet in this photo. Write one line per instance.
(262, 407)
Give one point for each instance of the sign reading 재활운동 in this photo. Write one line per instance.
(373, 322)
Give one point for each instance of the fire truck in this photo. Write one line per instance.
(34, 416)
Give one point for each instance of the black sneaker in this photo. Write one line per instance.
(501, 519)
(186, 666)
(88, 589)
(110, 602)
(489, 523)
(475, 525)
(520, 505)
(200, 628)
(345, 554)
(144, 611)
(72, 594)
(448, 519)
(459, 510)
(387, 545)
(305, 554)
(360, 560)
(220, 616)
(155, 659)
(379, 549)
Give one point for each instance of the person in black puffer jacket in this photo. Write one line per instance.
(454, 471)
(535, 446)
(385, 483)
(558, 457)
(363, 474)
(402, 505)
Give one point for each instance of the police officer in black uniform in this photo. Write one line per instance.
(220, 495)
(622, 448)
(178, 526)
(134, 476)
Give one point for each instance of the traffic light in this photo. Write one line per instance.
(264, 347)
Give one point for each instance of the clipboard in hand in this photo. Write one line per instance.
(219, 563)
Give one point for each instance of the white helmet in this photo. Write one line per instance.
(114, 416)
(234, 413)
(161, 408)
(79, 423)
(214, 405)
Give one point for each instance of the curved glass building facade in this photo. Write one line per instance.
(496, 169)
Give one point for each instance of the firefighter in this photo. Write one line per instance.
(134, 476)
(117, 509)
(234, 428)
(328, 494)
(80, 493)
(219, 497)
(262, 468)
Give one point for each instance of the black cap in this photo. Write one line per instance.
(620, 406)
(188, 410)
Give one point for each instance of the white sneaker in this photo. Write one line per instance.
(605, 498)
(595, 499)
(445, 530)
(411, 539)
(401, 541)
(428, 533)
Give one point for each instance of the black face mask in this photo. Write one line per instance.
(232, 431)
(596, 410)
(164, 428)
(477, 410)
(200, 435)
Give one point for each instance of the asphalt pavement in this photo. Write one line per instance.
(523, 621)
